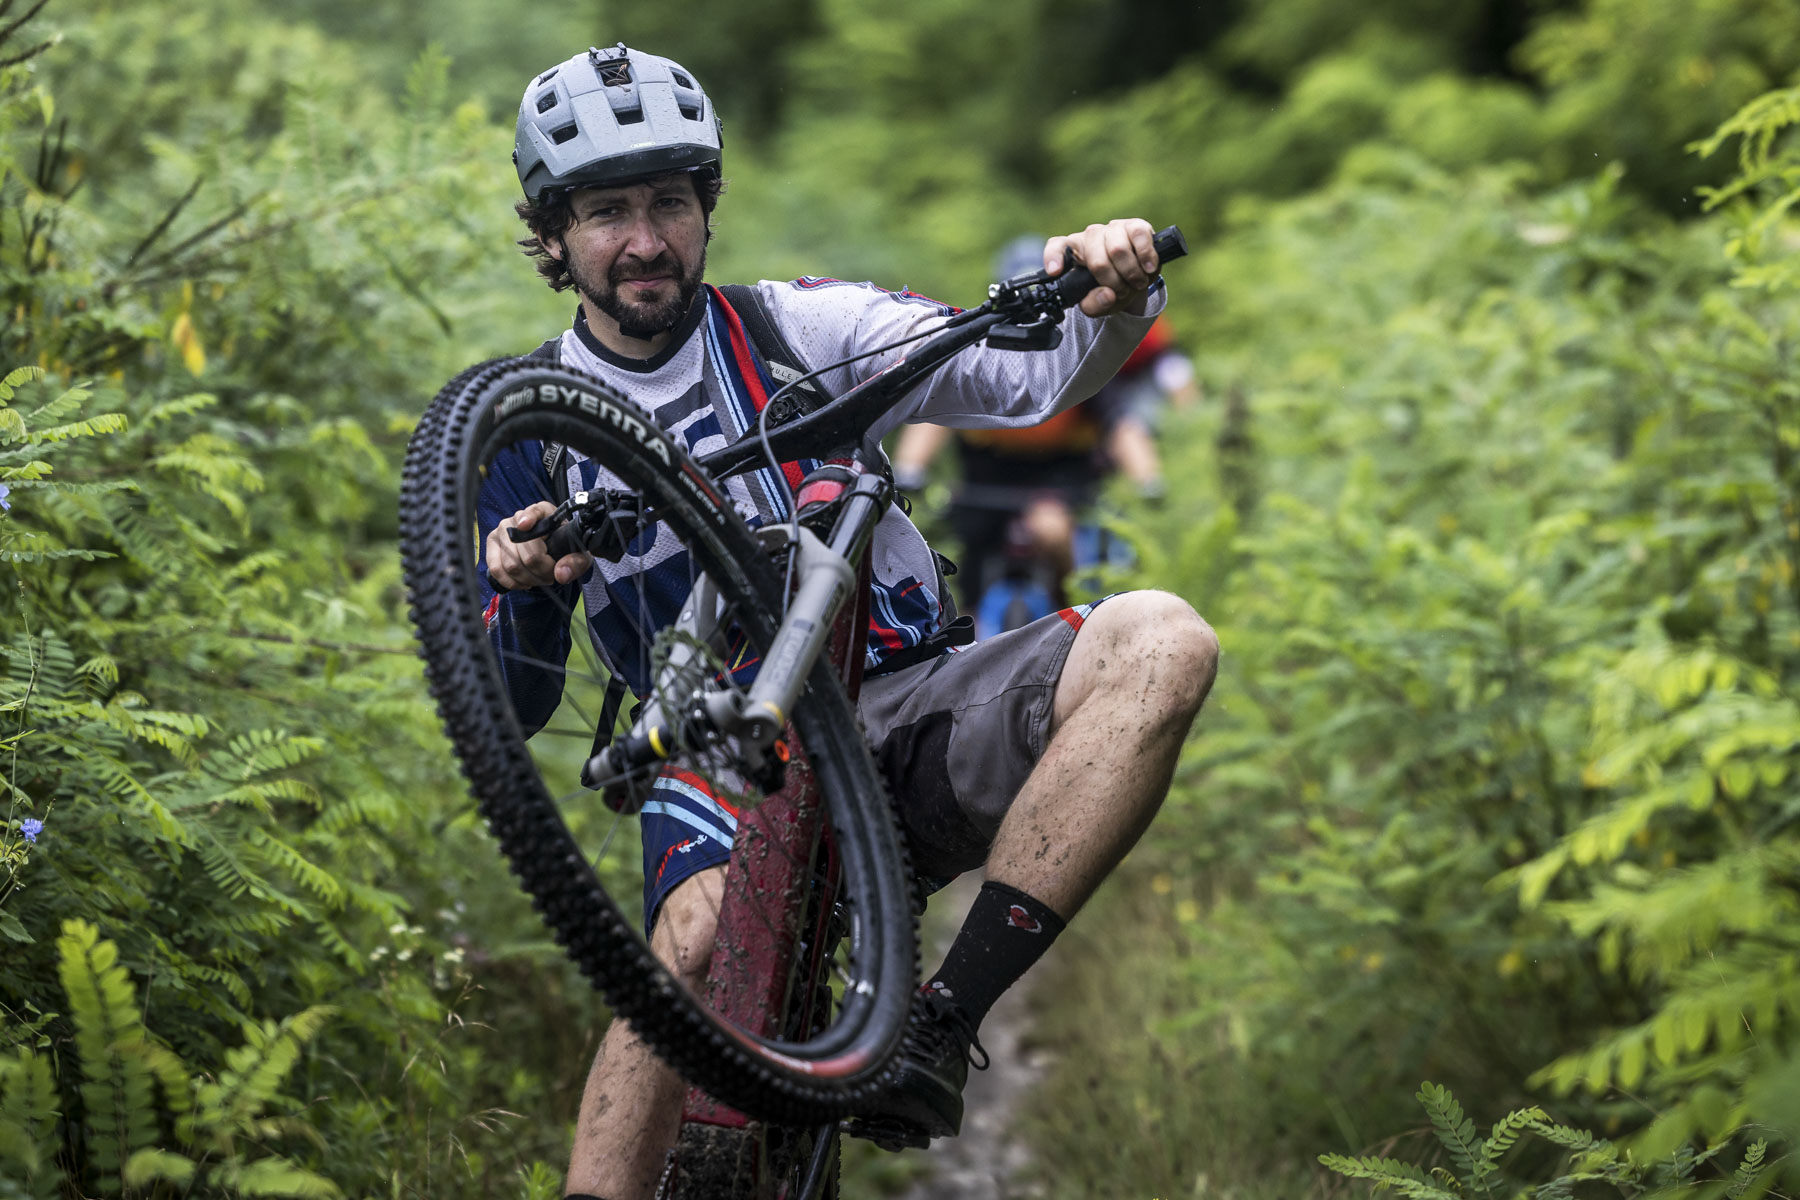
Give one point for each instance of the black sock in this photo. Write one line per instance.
(1005, 932)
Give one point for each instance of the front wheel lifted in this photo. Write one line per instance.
(520, 697)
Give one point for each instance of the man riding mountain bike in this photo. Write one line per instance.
(1041, 755)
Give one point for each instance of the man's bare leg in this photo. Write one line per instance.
(631, 1107)
(1134, 680)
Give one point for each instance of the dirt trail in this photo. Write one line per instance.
(986, 1161)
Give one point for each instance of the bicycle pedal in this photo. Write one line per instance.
(887, 1135)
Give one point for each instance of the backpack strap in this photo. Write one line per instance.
(778, 356)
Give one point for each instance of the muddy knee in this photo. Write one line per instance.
(687, 924)
(1150, 644)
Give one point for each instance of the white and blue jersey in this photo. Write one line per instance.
(706, 387)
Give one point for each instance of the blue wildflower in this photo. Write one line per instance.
(4, 493)
(31, 827)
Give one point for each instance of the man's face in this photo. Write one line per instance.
(638, 252)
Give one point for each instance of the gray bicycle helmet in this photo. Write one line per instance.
(610, 116)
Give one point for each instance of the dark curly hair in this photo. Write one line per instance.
(550, 216)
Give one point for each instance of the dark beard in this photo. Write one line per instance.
(643, 320)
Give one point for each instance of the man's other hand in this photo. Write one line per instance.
(516, 565)
(1122, 256)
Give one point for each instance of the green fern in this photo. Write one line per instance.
(1389, 1174)
(1748, 1171)
(109, 1041)
(29, 1111)
(1590, 1160)
(1455, 1131)
(1502, 1138)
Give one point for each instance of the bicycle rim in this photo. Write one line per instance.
(579, 860)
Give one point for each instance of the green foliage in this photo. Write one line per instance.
(220, 1127)
(1496, 783)
(211, 722)
(1496, 512)
(1588, 1162)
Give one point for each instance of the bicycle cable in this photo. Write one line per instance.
(762, 428)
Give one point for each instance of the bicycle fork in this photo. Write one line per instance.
(681, 716)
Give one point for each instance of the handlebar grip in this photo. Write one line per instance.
(1076, 281)
(565, 540)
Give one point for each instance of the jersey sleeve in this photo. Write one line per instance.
(529, 628)
(828, 319)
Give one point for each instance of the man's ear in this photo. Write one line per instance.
(554, 247)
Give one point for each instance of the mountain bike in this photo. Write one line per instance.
(744, 681)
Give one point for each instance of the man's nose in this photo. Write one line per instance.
(642, 239)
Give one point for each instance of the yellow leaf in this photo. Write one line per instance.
(1665, 1036)
(187, 340)
(1162, 883)
(1693, 1028)
(1631, 1063)
(1510, 962)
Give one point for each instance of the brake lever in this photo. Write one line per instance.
(549, 525)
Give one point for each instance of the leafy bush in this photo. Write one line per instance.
(218, 751)
(1500, 541)
(1478, 1162)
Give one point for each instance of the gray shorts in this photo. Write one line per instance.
(955, 737)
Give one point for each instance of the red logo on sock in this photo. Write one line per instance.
(1018, 918)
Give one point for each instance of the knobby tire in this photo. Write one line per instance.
(509, 402)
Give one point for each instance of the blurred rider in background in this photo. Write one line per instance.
(1020, 490)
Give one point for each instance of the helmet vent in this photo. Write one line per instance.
(566, 133)
(690, 111)
(616, 73)
(629, 116)
(682, 80)
(546, 100)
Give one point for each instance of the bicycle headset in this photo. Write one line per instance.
(608, 117)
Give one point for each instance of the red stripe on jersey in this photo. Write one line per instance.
(746, 365)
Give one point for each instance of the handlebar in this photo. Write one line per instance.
(844, 422)
(1043, 294)
(564, 538)
(1073, 285)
